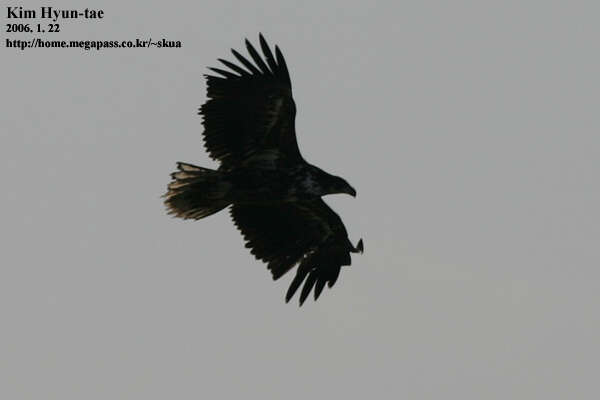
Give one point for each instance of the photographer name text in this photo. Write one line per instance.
(52, 13)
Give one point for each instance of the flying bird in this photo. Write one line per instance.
(274, 195)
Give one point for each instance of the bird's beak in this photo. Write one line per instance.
(351, 191)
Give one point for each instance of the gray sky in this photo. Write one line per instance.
(469, 130)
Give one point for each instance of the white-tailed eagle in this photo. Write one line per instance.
(274, 194)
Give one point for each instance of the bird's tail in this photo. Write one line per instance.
(196, 192)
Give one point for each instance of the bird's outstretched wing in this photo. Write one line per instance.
(250, 107)
(308, 233)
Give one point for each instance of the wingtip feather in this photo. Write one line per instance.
(319, 287)
(308, 285)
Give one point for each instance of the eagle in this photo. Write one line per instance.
(274, 195)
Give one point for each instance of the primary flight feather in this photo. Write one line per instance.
(274, 194)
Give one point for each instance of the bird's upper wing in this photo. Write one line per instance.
(309, 233)
(250, 108)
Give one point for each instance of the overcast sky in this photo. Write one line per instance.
(470, 131)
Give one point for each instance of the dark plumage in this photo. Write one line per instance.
(274, 194)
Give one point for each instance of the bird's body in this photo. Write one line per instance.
(274, 194)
